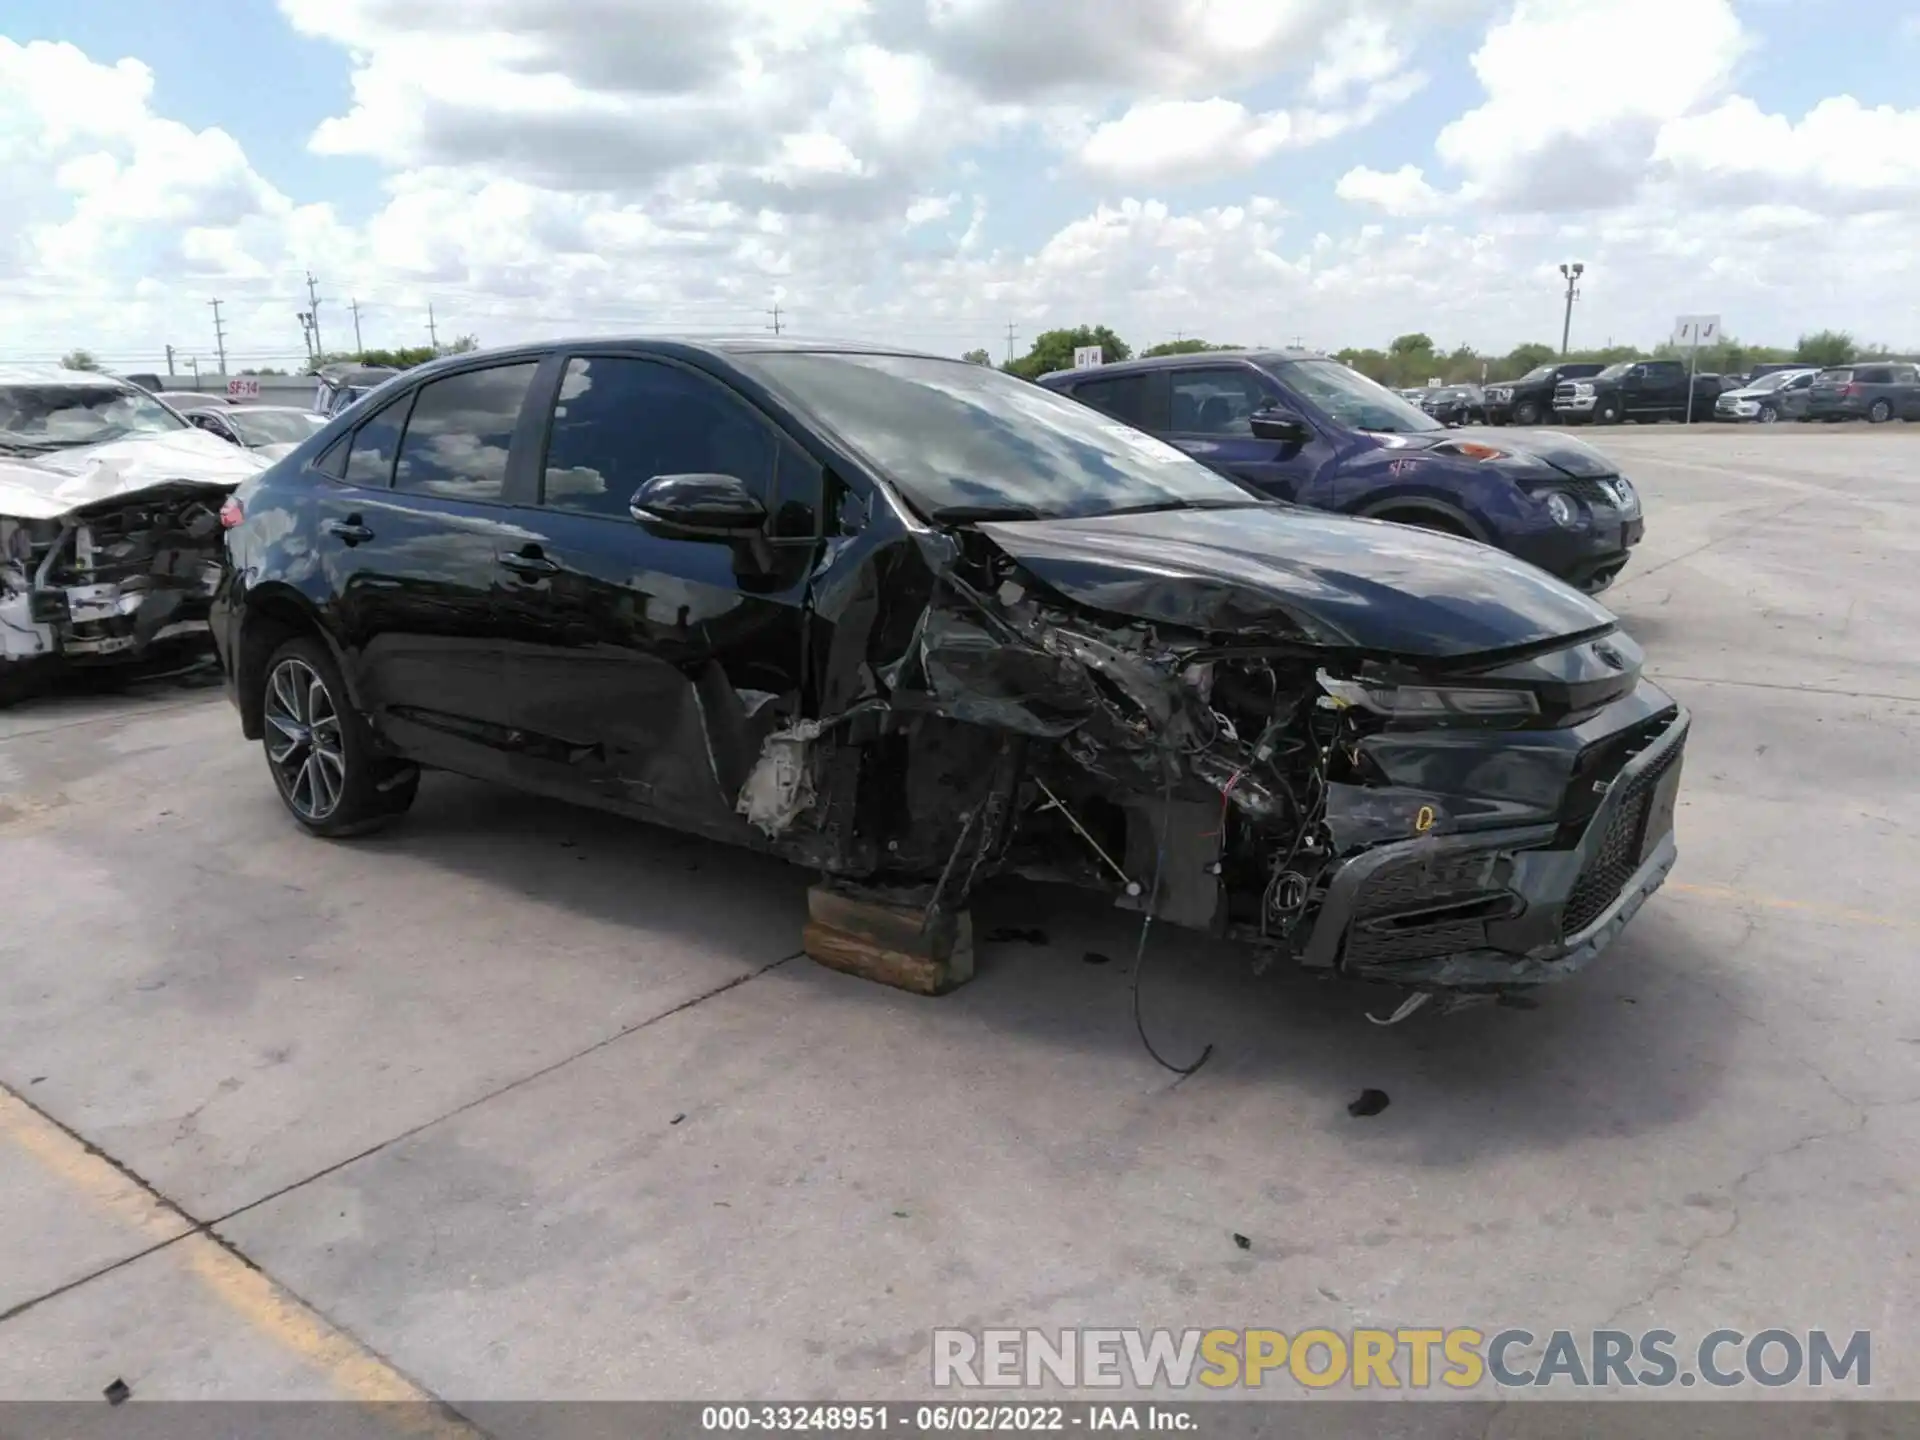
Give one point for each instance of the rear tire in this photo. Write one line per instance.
(330, 774)
(1879, 412)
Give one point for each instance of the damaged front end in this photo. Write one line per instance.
(106, 580)
(1463, 821)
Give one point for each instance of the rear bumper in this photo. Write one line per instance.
(1506, 909)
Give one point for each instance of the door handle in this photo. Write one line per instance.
(523, 564)
(349, 530)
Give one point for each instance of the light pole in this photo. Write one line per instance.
(1573, 273)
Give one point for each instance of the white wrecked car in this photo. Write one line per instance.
(110, 533)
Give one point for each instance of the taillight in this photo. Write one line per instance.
(1849, 389)
(231, 513)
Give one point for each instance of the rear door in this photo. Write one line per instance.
(658, 663)
(410, 536)
(1210, 410)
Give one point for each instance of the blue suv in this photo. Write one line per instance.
(1301, 427)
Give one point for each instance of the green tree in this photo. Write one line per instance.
(1826, 347)
(1053, 350)
(1371, 363)
(79, 360)
(1414, 343)
(1184, 347)
(466, 344)
(977, 357)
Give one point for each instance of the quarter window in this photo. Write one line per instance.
(461, 429)
(372, 447)
(619, 421)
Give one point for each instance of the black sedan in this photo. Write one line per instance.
(913, 622)
(1456, 404)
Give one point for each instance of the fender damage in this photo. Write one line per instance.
(1159, 709)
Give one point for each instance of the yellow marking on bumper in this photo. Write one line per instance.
(1812, 909)
(244, 1291)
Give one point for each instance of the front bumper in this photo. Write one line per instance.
(103, 622)
(1512, 908)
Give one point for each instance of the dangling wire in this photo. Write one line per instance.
(1140, 950)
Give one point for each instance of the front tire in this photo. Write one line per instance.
(1526, 413)
(330, 774)
(1607, 413)
(1768, 414)
(1879, 412)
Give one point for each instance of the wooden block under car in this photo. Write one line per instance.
(877, 935)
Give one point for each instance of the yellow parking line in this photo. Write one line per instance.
(246, 1292)
(1813, 909)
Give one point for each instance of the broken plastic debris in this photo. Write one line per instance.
(1242, 1241)
(118, 1393)
(1371, 1102)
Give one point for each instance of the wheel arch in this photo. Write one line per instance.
(274, 615)
(1413, 508)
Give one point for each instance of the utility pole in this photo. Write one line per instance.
(433, 335)
(775, 313)
(194, 361)
(359, 350)
(306, 332)
(1010, 334)
(313, 313)
(1573, 273)
(169, 359)
(219, 337)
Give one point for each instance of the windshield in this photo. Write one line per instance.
(1351, 399)
(964, 441)
(272, 427)
(51, 417)
(1614, 372)
(1535, 375)
(1773, 380)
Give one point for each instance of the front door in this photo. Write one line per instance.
(411, 536)
(1210, 410)
(660, 662)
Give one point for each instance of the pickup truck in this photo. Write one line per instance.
(1529, 400)
(1636, 390)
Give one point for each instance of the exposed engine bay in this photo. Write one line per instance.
(1465, 827)
(110, 579)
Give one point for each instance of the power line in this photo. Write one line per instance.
(219, 337)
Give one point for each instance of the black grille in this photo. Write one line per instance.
(1563, 391)
(1423, 909)
(1618, 854)
(1423, 885)
(1422, 942)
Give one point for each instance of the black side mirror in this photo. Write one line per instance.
(699, 504)
(1276, 422)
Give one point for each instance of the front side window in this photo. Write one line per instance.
(458, 436)
(965, 441)
(1216, 402)
(618, 422)
(1349, 398)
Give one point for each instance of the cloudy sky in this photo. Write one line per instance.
(933, 171)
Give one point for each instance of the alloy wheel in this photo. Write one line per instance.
(303, 740)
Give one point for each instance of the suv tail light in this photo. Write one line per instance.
(231, 512)
(1849, 389)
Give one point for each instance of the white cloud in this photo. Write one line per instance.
(614, 165)
(1398, 192)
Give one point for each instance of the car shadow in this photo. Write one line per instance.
(1634, 1044)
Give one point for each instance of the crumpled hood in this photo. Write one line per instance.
(1563, 452)
(1276, 570)
(44, 486)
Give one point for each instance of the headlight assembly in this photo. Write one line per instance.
(1430, 702)
(1560, 506)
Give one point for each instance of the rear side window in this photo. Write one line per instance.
(1833, 377)
(1877, 375)
(371, 448)
(1127, 398)
(458, 436)
(621, 421)
(1215, 402)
